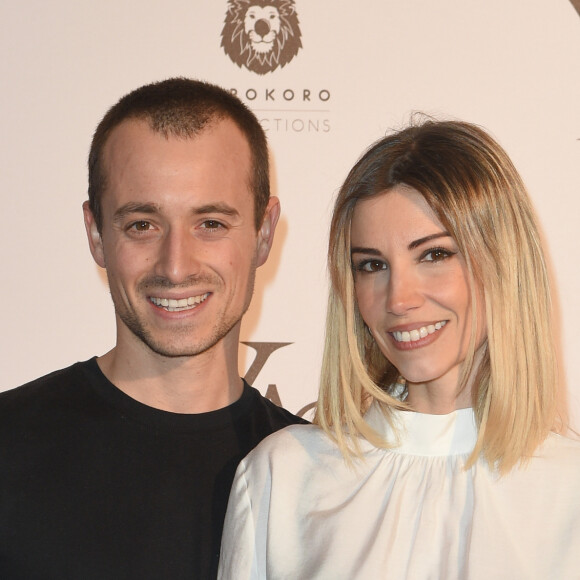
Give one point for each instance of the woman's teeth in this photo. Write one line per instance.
(418, 333)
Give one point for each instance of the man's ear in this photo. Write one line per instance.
(95, 239)
(267, 229)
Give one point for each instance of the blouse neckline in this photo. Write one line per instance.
(424, 434)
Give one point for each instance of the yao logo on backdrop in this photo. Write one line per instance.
(261, 35)
(263, 352)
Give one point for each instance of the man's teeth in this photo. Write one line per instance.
(172, 305)
(418, 333)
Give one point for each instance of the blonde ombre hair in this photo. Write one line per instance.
(477, 194)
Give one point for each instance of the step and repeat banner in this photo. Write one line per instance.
(337, 76)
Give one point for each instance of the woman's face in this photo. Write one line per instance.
(413, 293)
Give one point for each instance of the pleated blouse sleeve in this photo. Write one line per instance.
(244, 541)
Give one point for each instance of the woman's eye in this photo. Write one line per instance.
(436, 255)
(371, 266)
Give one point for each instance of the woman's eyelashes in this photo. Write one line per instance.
(438, 254)
(371, 265)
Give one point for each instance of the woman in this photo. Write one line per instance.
(433, 453)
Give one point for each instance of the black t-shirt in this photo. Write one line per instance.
(97, 486)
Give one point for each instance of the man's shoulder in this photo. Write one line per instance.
(43, 389)
(275, 415)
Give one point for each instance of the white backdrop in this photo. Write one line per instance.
(509, 65)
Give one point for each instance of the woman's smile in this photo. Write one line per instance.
(412, 289)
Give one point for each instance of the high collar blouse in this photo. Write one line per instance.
(299, 511)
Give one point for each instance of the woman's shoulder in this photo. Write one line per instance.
(555, 466)
(293, 455)
(561, 449)
(294, 441)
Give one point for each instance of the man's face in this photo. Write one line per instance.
(179, 241)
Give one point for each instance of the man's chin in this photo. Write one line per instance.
(179, 342)
(172, 348)
(179, 349)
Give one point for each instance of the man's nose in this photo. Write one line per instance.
(179, 255)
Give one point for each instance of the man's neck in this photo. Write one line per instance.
(195, 384)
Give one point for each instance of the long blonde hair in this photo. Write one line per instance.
(477, 194)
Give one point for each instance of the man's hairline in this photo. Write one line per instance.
(213, 120)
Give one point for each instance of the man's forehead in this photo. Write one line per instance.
(219, 143)
(142, 165)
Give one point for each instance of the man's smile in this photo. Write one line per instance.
(173, 305)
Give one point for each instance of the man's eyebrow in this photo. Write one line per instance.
(152, 208)
(421, 241)
(222, 208)
(134, 207)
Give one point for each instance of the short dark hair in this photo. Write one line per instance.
(181, 107)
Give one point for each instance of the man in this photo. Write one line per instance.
(120, 466)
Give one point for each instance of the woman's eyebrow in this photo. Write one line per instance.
(414, 244)
(370, 251)
(421, 241)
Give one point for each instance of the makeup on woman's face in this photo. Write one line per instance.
(412, 287)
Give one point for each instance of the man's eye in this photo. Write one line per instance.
(140, 226)
(212, 225)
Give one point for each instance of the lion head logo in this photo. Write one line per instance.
(261, 34)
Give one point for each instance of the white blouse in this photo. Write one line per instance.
(297, 511)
